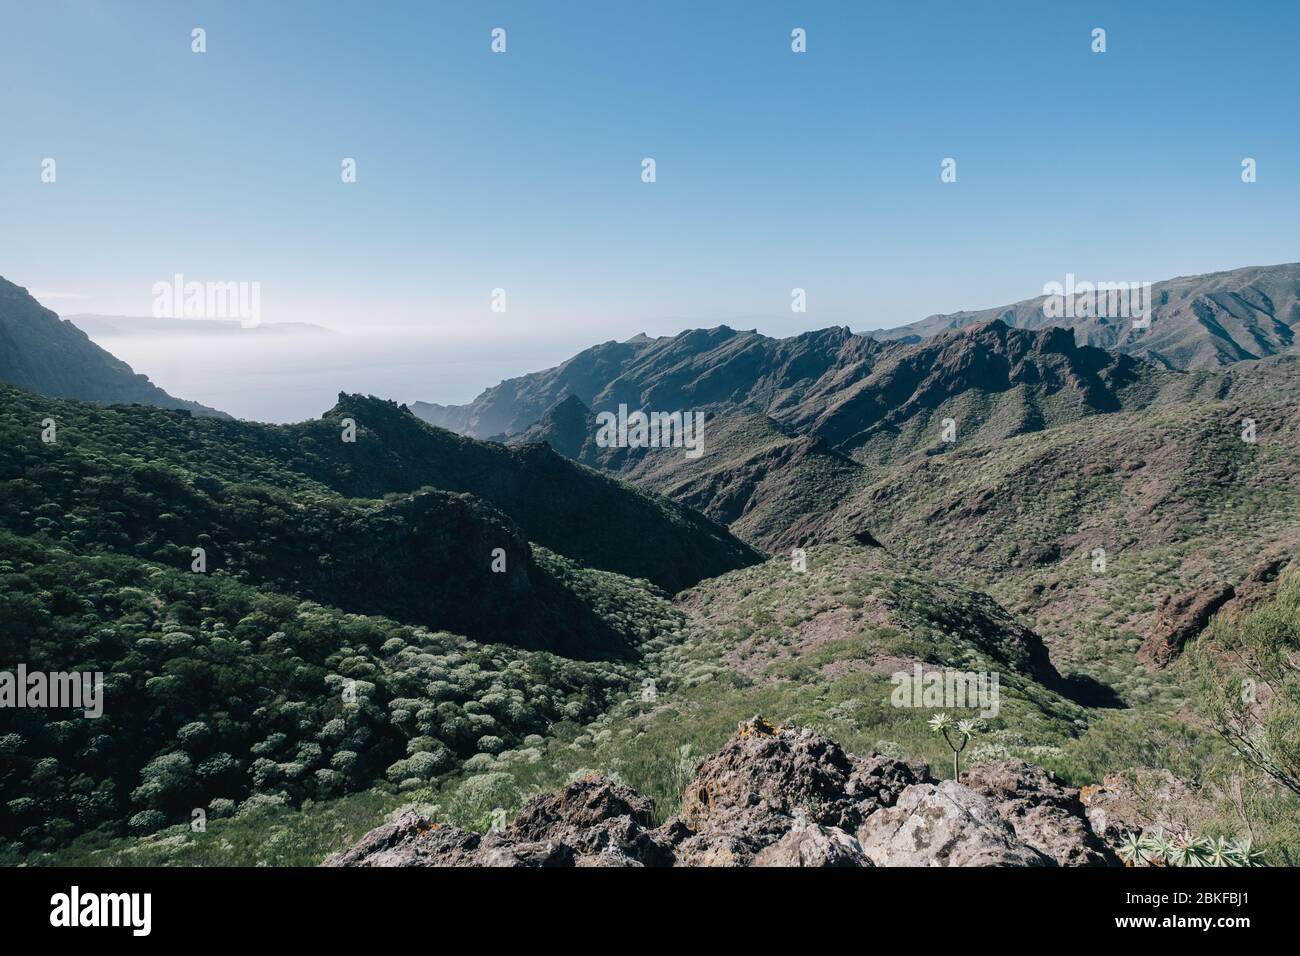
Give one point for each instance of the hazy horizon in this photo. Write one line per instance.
(296, 374)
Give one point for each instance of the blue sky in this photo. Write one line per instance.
(522, 170)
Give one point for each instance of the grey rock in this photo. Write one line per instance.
(765, 769)
(411, 840)
(733, 840)
(497, 851)
(594, 816)
(814, 846)
(944, 825)
(1046, 815)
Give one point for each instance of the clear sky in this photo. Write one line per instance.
(522, 170)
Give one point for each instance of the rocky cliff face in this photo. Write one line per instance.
(1182, 617)
(774, 796)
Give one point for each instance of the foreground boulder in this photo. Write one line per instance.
(782, 770)
(773, 796)
(1045, 815)
(410, 840)
(592, 822)
(596, 818)
(768, 779)
(813, 846)
(948, 824)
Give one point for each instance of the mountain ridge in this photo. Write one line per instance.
(1198, 321)
(796, 426)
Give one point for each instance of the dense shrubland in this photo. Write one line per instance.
(222, 697)
(329, 645)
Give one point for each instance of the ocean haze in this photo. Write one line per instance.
(293, 370)
(292, 377)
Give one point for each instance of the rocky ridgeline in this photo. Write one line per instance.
(774, 796)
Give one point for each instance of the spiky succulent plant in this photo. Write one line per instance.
(1135, 849)
(1186, 852)
(1245, 855)
(1163, 851)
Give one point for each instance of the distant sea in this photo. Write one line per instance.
(293, 376)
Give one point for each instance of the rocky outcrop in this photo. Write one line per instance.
(773, 796)
(1181, 618)
(595, 816)
(410, 840)
(814, 846)
(1143, 800)
(1045, 815)
(769, 780)
(948, 824)
(592, 822)
(765, 770)
(1259, 586)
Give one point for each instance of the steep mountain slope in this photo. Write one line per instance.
(849, 389)
(42, 353)
(988, 378)
(698, 368)
(569, 428)
(571, 509)
(1087, 528)
(760, 479)
(424, 558)
(1203, 321)
(547, 499)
